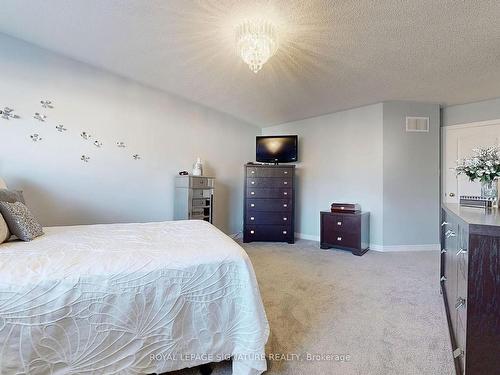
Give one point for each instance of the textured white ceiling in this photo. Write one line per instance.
(334, 54)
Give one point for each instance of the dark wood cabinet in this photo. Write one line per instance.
(348, 231)
(269, 203)
(470, 283)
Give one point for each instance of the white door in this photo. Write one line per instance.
(459, 141)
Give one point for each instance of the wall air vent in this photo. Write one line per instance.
(417, 124)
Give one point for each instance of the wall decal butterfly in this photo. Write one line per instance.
(121, 144)
(61, 128)
(85, 135)
(35, 137)
(136, 157)
(39, 117)
(85, 158)
(7, 114)
(46, 104)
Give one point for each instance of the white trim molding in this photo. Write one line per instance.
(381, 248)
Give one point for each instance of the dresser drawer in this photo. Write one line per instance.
(201, 182)
(273, 218)
(268, 233)
(269, 172)
(269, 192)
(276, 205)
(269, 182)
(349, 240)
(202, 193)
(341, 224)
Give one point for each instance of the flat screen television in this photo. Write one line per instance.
(277, 149)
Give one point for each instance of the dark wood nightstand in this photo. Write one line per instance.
(350, 231)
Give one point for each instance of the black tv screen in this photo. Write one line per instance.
(277, 149)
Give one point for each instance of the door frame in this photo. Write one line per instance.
(444, 131)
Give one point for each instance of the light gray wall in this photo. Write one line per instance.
(340, 160)
(472, 112)
(364, 155)
(411, 176)
(168, 132)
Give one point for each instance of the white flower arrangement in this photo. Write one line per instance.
(483, 165)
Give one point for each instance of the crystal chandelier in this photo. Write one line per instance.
(256, 42)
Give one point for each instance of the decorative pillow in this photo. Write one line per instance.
(20, 221)
(11, 196)
(4, 230)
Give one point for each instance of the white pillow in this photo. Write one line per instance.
(3, 185)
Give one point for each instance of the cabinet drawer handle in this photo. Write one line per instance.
(449, 234)
(252, 232)
(458, 352)
(285, 182)
(285, 219)
(284, 232)
(253, 172)
(285, 172)
(285, 193)
(443, 251)
(460, 303)
(443, 278)
(461, 251)
(252, 218)
(252, 205)
(252, 193)
(339, 238)
(253, 182)
(339, 223)
(444, 223)
(285, 205)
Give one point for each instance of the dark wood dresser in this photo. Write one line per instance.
(269, 203)
(350, 231)
(470, 282)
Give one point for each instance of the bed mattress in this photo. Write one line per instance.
(129, 299)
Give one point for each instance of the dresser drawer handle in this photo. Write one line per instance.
(253, 182)
(342, 208)
(443, 278)
(443, 251)
(339, 238)
(285, 182)
(285, 219)
(285, 205)
(461, 251)
(339, 223)
(460, 303)
(252, 205)
(285, 172)
(285, 193)
(252, 232)
(450, 233)
(253, 172)
(284, 232)
(252, 192)
(252, 218)
(458, 352)
(444, 223)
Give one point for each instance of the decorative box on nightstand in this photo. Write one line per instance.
(350, 231)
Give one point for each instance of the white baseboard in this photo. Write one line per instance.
(382, 248)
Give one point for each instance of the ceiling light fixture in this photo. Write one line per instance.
(256, 43)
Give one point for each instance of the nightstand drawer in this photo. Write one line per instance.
(342, 224)
(269, 172)
(268, 193)
(268, 218)
(276, 205)
(349, 240)
(284, 182)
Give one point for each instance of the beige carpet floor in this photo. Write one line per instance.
(384, 310)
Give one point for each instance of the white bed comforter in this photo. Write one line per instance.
(129, 299)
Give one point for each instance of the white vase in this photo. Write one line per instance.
(198, 168)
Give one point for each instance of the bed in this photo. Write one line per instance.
(129, 299)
